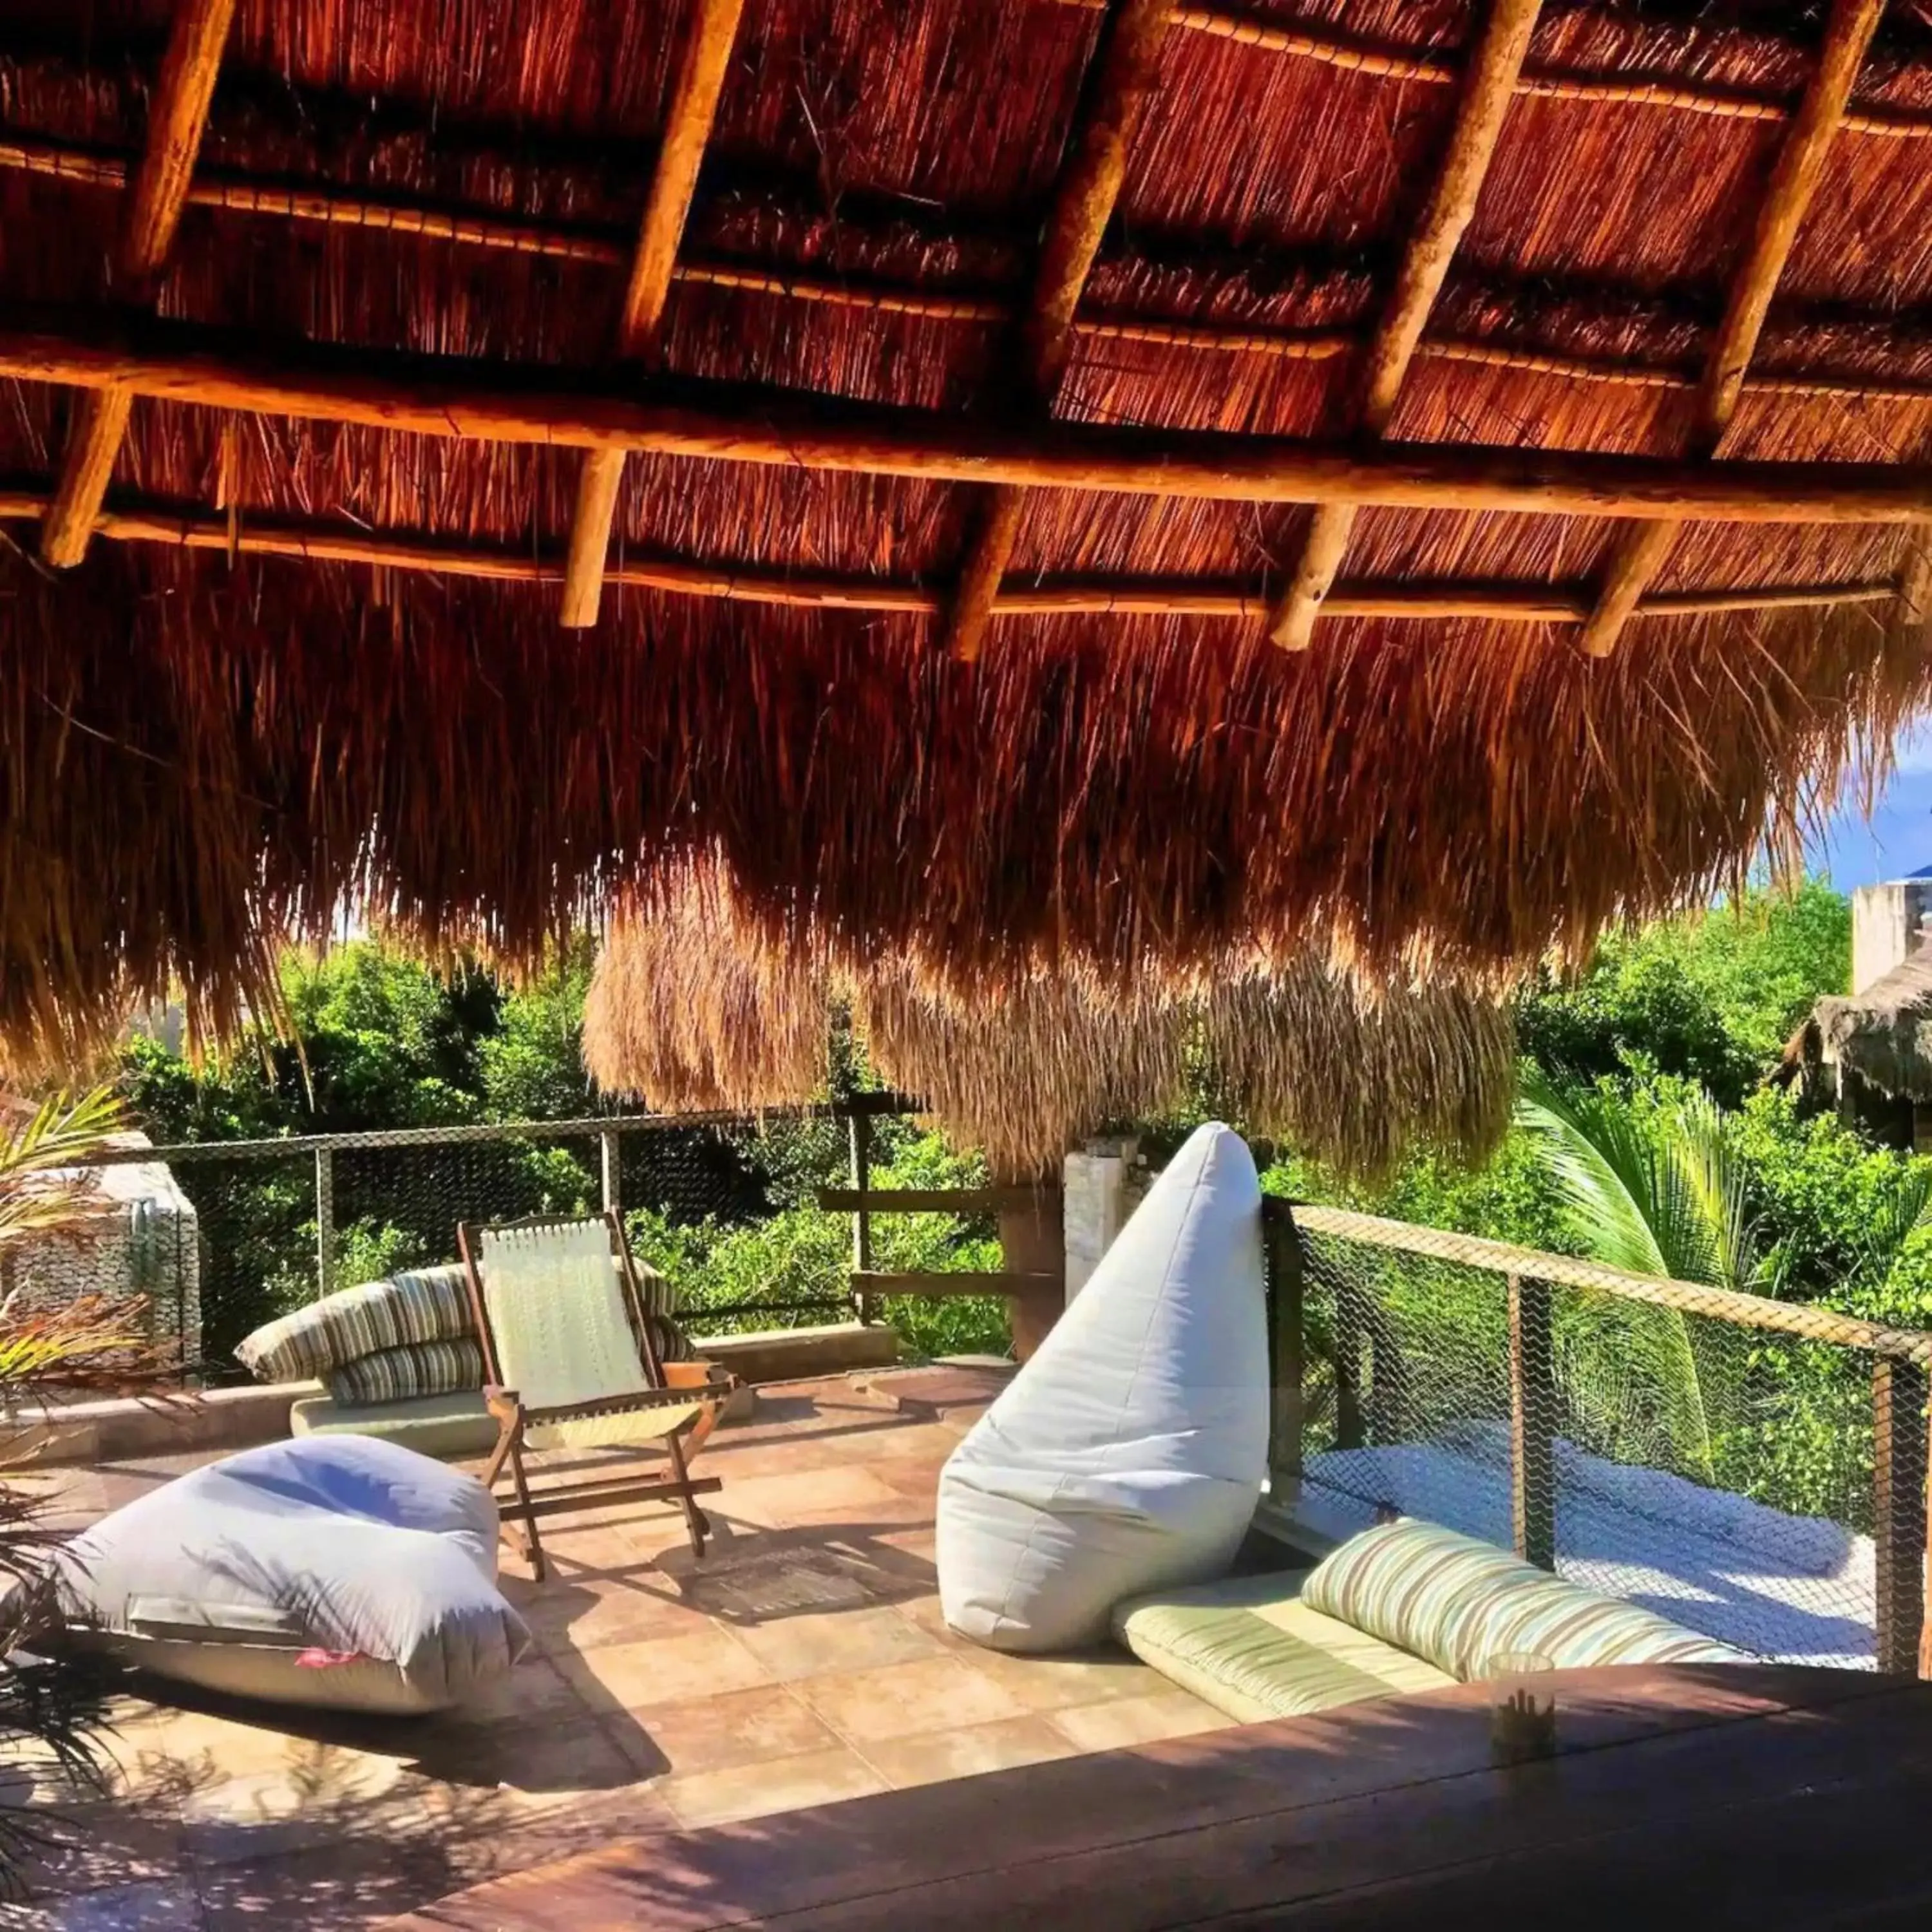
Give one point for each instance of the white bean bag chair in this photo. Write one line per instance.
(337, 1571)
(1129, 1454)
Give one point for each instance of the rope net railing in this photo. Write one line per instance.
(221, 1237)
(1753, 1469)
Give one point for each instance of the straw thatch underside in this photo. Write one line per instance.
(207, 749)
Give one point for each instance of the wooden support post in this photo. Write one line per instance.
(1794, 181)
(1532, 1425)
(859, 1127)
(693, 107)
(1032, 1243)
(177, 116)
(325, 1222)
(610, 1161)
(1488, 85)
(1125, 65)
(1899, 1510)
(1287, 1315)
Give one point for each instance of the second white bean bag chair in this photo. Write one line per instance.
(1129, 1454)
(337, 1571)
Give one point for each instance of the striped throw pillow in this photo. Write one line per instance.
(1458, 1603)
(414, 1305)
(419, 1368)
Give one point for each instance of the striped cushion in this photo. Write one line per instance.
(1459, 1603)
(1250, 1646)
(429, 1304)
(398, 1375)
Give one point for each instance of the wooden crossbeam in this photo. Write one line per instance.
(1010, 1199)
(701, 78)
(1389, 61)
(1494, 61)
(176, 119)
(479, 226)
(1083, 200)
(873, 1281)
(316, 540)
(478, 399)
(1639, 553)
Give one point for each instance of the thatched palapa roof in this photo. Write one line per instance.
(1031, 483)
(1884, 1033)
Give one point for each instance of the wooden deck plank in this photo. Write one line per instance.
(1254, 1819)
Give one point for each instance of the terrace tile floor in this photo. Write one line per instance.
(805, 1659)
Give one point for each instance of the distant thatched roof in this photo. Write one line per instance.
(1885, 1033)
(1023, 331)
(689, 1007)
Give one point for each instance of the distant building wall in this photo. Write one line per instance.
(138, 1234)
(1888, 927)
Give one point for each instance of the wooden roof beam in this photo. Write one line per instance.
(1489, 86)
(479, 226)
(1639, 553)
(1388, 61)
(1083, 204)
(478, 400)
(322, 540)
(177, 114)
(694, 107)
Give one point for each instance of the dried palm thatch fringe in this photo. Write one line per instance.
(204, 758)
(687, 1011)
(689, 1007)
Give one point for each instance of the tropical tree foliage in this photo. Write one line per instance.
(50, 1715)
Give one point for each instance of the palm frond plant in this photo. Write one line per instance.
(1653, 1191)
(50, 1712)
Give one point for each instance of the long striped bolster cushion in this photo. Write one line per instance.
(399, 1375)
(1459, 1603)
(414, 1305)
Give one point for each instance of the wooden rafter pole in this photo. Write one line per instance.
(177, 116)
(1489, 85)
(1083, 204)
(1639, 553)
(694, 107)
(471, 399)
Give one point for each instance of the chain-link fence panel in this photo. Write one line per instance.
(1753, 1470)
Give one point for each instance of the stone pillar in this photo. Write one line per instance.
(1096, 1203)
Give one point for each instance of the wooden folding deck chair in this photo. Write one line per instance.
(571, 1363)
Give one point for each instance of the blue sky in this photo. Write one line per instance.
(1898, 840)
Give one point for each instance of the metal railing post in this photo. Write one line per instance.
(609, 1149)
(1532, 1425)
(860, 1125)
(325, 1221)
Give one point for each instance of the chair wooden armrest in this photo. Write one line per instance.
(699, 1375)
